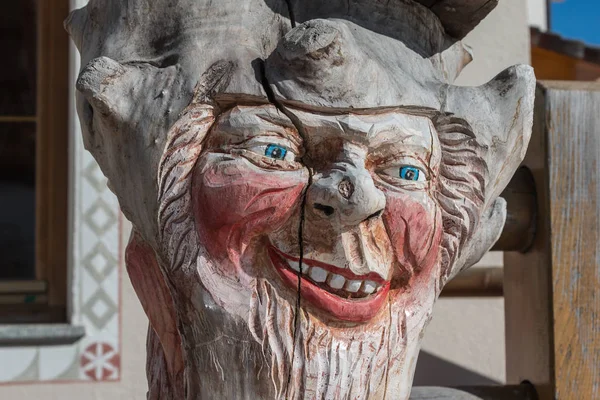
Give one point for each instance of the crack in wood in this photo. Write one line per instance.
(298, 125)
(291, 14)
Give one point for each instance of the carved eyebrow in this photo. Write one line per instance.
(289, 130)
(392, 150)
(277, 120)
(381, 138)
(412, 142)
(276, 126)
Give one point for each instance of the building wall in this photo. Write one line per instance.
(538, 14)
(465, 341)
(108, 362)
(94, 270)
(131, 384)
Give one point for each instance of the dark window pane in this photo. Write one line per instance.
(17, 201)
(18, 66)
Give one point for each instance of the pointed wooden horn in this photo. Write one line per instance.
(125, 111)
(501, 116)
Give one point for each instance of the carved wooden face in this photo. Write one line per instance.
(343, 211)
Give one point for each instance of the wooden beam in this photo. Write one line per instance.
(476, 282)
(551, 292)
(520, 197)
(52, 149)
(549, 64)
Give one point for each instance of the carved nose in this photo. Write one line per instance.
(347, 195)
(327, 210)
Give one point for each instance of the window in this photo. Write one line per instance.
(33, 161)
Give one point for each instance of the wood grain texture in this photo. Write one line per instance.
(552, 306)
(52, 144)
(574, 181)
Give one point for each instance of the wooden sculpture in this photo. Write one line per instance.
(302, 178)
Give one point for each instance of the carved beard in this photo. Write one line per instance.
(239, 343)
(231, 329)
(324, 362)
(321, 363)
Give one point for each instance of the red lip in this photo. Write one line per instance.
(352, 310)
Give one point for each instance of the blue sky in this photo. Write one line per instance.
(577, 19)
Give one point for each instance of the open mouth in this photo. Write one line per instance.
(338, 291)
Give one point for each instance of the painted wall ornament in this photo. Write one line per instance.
(302, 177)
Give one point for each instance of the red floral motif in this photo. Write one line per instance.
(101, 362)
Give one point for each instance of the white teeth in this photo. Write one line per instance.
(353, 286)
(294, 265)
(369, 287)
(318, 274)
(336, 281)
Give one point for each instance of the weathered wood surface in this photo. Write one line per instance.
(551, 292)
(303, 179)
(517, 392)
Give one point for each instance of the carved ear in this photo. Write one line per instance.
(485, 235)
(501, 115)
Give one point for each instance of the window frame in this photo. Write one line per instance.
(52, 172)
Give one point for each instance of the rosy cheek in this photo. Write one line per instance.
(235, 202)
(414, 227)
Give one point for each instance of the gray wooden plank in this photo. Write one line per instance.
(551, 302)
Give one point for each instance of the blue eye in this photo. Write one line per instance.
(410, 173)
(275, 151)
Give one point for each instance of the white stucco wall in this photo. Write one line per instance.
(132, 384)
(537, 14)
(469, 333)
(500, 40)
